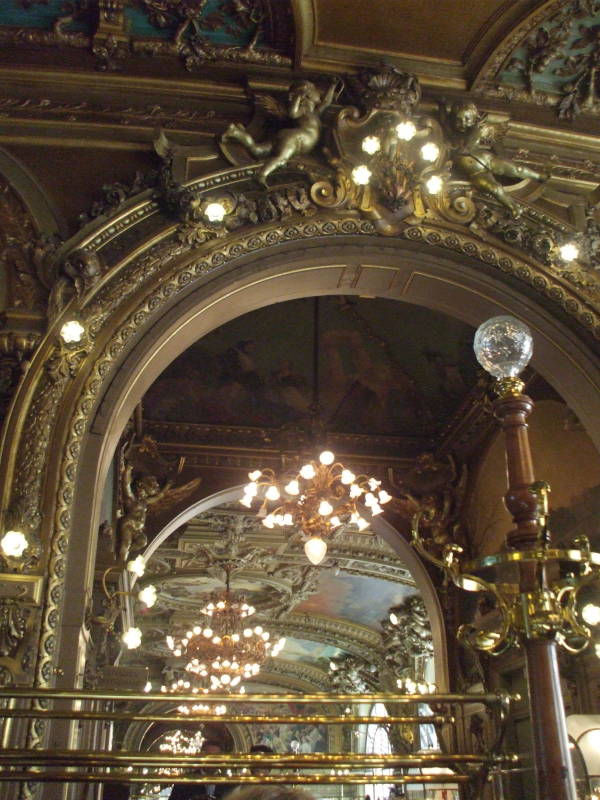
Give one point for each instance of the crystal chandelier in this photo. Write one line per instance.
(226, 649)
(180, 743)
(318, 499)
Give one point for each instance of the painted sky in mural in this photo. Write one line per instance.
(384, 367)
(353, 597)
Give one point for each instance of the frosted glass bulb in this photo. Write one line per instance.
(215, 212)
(315, 549)
(14, 543)
(347, 476)
(568, 252)
(503, 346)
(434, 184)
(406, 130)
(371, 144)
(326, 458)
(308, 472)
(272, 493)
(292, 487)
(591, 613)
(72, 332)
(148, 595)
(335, 522)
(361, 175)
(430, 151)
(132, 638)
(251, 489)
(137, 566)
(325, 508)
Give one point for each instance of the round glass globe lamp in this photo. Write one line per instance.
(503, 346)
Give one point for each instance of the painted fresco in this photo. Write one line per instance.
(283, 738)
(364, 601)
(384, 367)
(309, 652)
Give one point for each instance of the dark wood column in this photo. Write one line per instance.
(554, 772)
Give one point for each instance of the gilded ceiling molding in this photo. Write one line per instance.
(549, 59)
(106, 32)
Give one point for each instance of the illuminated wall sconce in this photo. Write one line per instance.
(13, 544)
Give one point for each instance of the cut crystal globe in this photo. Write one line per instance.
(503, 346)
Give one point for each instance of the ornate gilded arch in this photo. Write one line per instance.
(145, 282)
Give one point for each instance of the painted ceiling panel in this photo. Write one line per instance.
(364, 601)
(384, 367)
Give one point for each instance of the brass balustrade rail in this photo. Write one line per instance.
(93, 766)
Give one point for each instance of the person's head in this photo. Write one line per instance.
(260, 748)
(211, 748)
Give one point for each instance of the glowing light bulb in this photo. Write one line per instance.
(254, 476)
(272, 493)
(361, 175)
(292, 488)
(326, 458)
(132, 638)
(315, 549)
(72, 331)
(430, 151)
(434, 184)
(371, 145)
(384, 497)
(325, 508)
(148, 595)
(355, 491)
(591, 613)
(137, 566)
(335, 522)
(215, 212)
(406, 130)
(347, 477)
(362, 524)
(14, 544)
(568, 251)
(308, 472)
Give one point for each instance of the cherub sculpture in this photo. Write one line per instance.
(472, 137)
(305, 106)
(78, 273)
(138, 496)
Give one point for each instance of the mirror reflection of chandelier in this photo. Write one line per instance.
(181, 743)
(318, 499)
(226, 649)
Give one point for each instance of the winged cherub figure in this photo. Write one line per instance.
(305, 106)
(474, 157)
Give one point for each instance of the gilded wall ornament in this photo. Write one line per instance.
(77, 274)
(13, 624)
(305, 106)
(15, 351)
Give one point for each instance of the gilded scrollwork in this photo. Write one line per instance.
(16, 349)
(13, 624)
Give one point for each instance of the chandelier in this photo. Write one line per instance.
(226, 649)
(180, 743)
(318, 499)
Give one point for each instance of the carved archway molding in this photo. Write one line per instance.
(157, 295)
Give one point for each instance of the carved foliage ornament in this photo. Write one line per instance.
(557, 61)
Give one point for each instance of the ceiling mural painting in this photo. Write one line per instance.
(377, 375)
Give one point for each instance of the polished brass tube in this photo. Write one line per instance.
(118, 758)
(29, 713)
(320, 697)
(291, 778)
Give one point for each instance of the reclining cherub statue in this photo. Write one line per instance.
(305, 106)
(472, 153)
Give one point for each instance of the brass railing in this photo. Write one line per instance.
(93, 766)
